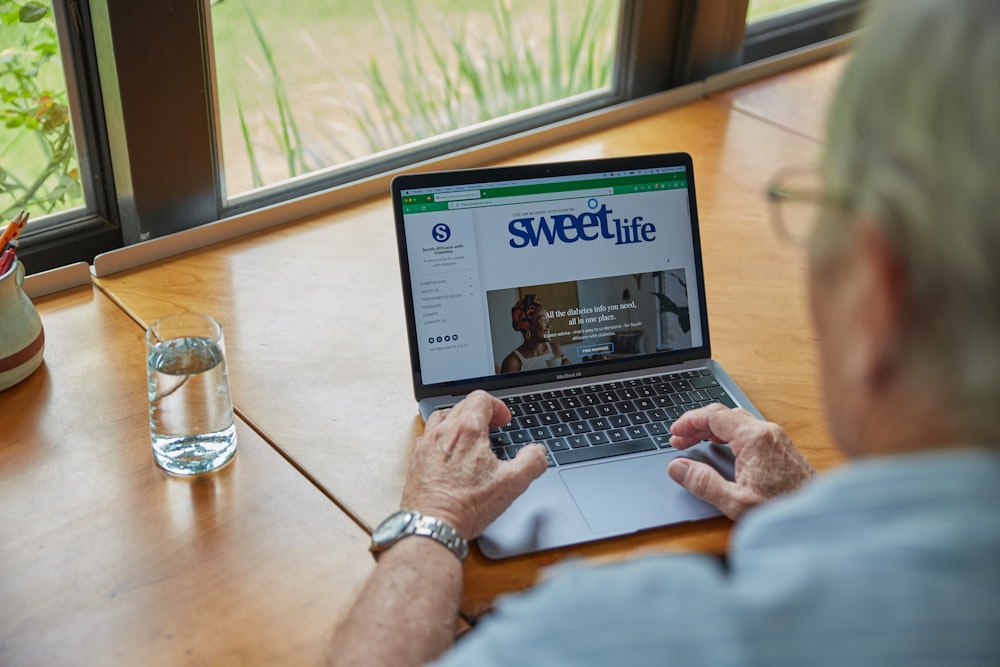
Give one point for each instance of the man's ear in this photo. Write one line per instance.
(884, 305)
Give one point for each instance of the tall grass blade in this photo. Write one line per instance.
(290, 138)
(555, 57)
(255, 175)
(448, 73)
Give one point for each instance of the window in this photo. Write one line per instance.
(306, 86)
(187, 112)
(41, 170)
(163, 137)
(46, 160)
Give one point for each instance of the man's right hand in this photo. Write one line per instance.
(767, 463)
(454, 474)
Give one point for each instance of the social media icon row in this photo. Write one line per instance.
(442, 339)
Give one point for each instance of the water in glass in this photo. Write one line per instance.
(190, 409)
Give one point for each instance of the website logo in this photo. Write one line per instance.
(441, 232)
(587, 226)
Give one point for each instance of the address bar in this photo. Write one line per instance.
(454, 196)
(524, 199)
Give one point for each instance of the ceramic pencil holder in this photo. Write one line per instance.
(22, 339)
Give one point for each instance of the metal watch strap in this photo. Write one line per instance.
(418, 524)
(438, 530)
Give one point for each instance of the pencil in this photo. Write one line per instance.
(13, 229)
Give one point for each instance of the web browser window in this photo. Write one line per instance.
(609, 257)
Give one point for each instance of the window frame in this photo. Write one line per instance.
(797, 28)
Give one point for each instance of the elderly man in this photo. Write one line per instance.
(892, 559)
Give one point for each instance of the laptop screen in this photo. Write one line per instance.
(560, 271)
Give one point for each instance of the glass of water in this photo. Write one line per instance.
(190, 408)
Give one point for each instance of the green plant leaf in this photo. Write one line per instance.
(32, 12)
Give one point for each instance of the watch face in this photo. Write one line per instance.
(391, 528)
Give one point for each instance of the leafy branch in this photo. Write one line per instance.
(29, 110)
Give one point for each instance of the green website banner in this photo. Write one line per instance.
(425, 203)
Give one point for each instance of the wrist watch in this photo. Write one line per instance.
(408, 522)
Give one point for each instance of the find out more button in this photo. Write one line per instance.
(603, 348)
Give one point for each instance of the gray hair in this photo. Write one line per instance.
(914, 143)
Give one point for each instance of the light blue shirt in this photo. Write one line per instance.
(891, 561)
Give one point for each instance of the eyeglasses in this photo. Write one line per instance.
(797, 199)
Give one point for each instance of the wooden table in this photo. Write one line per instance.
(796, 100)
(105, 559)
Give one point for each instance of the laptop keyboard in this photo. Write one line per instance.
(602, 420)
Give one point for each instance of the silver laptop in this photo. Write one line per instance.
(574, 292)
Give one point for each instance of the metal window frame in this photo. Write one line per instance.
(797, 28)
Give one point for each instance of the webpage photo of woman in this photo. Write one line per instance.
(531, 319)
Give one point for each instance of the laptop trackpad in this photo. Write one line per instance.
(632, 494)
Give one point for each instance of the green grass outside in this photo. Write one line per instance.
(322, 53)
(759, 9)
